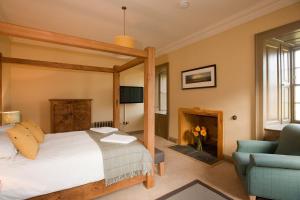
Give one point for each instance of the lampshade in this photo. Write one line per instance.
(124, 40)
(11, 117)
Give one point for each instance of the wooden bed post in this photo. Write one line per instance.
(1, 99)
(116, 98)
(149, 79)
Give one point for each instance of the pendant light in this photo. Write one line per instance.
(124, 40)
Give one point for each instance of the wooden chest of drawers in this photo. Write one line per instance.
(70, 114)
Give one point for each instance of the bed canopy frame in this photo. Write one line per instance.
(147, 56)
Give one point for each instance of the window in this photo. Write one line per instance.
(296, 85)
(281, 84)
(163, 91)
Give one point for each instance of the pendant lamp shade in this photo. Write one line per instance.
(124, 40)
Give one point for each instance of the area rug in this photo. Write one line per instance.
(196, 190)
(192, 152)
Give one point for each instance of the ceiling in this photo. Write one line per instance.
(162, 24)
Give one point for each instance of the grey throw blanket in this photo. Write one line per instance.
(122, 161)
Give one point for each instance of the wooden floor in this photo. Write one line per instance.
(180, 170)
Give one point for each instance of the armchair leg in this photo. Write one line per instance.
(252, 197)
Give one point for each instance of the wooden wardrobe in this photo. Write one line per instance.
(70, 115)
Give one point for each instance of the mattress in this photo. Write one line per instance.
(65, 160)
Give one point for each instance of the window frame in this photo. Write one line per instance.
(291, 117)
(284, 46)
(293, 84)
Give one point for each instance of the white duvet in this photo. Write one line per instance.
(64, 160)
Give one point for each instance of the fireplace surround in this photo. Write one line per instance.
(211, 119)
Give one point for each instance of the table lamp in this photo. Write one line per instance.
(11, 117)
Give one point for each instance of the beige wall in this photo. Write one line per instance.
(4, 45)
(31, 86)
(5, 50)
(233, 53)
(134, 112)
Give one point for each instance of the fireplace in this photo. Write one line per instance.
(212, 120)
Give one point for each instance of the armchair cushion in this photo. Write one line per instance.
(289, 141)
(241, 161)
(256, 146)
(275, 161)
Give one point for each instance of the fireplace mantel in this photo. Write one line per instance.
(185, 124)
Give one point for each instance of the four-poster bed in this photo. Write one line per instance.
(147, 56)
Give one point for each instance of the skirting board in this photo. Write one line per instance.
(173, 139)
(228, 158)
(135, 132)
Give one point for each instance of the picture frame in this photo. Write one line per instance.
(200, 77)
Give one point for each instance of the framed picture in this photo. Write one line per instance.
(201, 77)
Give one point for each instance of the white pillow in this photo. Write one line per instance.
(7, 149)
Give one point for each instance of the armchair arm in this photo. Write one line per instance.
(256, 146)
(275, 161)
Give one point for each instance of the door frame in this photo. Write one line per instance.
(167, 65)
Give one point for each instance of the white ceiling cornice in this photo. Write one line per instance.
(228, 23)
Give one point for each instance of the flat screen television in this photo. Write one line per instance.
(131, 94)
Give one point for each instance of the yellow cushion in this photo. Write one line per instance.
(24, 141)
(35, 130)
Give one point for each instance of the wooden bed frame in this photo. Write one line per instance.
(147, 56)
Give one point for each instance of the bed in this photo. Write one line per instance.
(91, 189)
(65, 160)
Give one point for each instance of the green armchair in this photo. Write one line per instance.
(271, 169)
